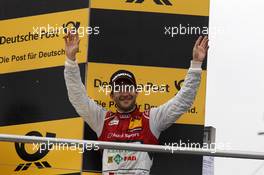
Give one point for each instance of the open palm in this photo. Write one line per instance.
(71, 45)
(200, 49)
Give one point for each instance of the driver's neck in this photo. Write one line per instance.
(128, 111)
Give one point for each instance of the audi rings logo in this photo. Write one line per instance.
(33, 159)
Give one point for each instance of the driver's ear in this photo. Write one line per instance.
(111, 95)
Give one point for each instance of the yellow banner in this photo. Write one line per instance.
(190, 7)
(86, 173)
(167, 82)
(37, 42)
(25, 159)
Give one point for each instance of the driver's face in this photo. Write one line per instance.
(125, 99)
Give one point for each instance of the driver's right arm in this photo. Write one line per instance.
(86, 107)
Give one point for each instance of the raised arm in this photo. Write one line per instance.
(92, 113)
(165, 115)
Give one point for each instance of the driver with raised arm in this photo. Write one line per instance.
(128, 123)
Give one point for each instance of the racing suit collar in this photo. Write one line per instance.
(135, 109)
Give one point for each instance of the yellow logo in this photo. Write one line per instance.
(135, 123)
(110, 159)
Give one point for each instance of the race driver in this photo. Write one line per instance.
(128, 123)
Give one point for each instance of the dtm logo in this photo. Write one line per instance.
(32, 159)
(159, 2)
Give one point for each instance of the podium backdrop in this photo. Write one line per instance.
(151, 38)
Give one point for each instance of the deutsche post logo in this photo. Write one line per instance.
(33, 159)
(71, 25)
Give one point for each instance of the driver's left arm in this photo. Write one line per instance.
(165, 115)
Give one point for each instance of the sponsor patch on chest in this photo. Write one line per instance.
(114, 121)
(135, 123)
